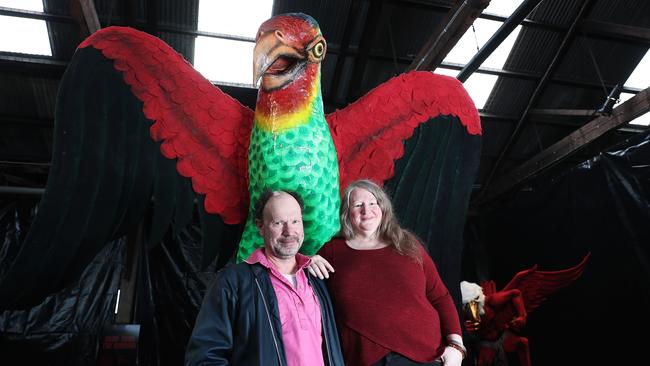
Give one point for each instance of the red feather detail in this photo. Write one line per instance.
(204, 128)
(369, 134)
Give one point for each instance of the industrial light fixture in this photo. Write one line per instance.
(612, 99)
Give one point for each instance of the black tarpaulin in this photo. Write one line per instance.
(64, 328)
(601, 206)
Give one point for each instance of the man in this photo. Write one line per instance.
(267, 310)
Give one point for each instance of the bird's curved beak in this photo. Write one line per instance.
(274, 61)
(472, 311)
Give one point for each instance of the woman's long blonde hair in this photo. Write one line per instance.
(389, 230)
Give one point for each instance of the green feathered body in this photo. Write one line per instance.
(303, 159)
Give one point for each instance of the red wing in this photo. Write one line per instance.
(369, 133)
(204, 128)
(536, 286)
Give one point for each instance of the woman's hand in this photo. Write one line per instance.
(455, 352)
(451, 357)
(320, 267)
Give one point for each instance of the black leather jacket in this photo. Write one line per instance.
(239, 321)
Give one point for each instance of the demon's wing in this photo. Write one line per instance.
(536, 286)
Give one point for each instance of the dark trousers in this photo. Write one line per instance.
(395, 359)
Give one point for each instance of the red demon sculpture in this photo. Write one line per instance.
(497, 317)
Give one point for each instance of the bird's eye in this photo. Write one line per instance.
(319, 48)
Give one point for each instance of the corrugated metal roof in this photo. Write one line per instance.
(401, 29)
(556, 12)
(533, 52)
(628, 12)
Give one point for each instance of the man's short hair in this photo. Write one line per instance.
(258, 209)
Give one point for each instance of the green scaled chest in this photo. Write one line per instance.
(301, 159)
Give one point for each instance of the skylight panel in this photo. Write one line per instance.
(466, 47)
(446, 71)
(33, 5)
(223, 60)
(479, 87)
(642, 120)
(29, 35)
(469, 44)
(241, 17)
(640, 76)
(498, 58)
(503, 7)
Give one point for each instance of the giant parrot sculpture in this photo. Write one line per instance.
(230, 152)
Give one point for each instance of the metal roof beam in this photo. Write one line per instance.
(597, 29)
(85, 15)
(119, 21)
(624, 113)
(498, 72)
(570, 123)
(618, 32)
(488, 16)
(538, 92)
(497, 38)
(34, 65)
(459, 18)
(31, 65)
(29, 14)
(563, 112)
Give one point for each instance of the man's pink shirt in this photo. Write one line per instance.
(299, 312)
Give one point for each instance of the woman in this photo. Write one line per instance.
(391, 306)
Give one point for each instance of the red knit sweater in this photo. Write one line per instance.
(385, 302)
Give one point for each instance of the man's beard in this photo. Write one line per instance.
(281, 250)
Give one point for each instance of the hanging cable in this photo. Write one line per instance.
(475, 38)
(593, 60)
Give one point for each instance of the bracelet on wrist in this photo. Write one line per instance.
(458, 347)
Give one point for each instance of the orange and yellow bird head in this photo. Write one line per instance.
(289, 47)
(286, 63)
